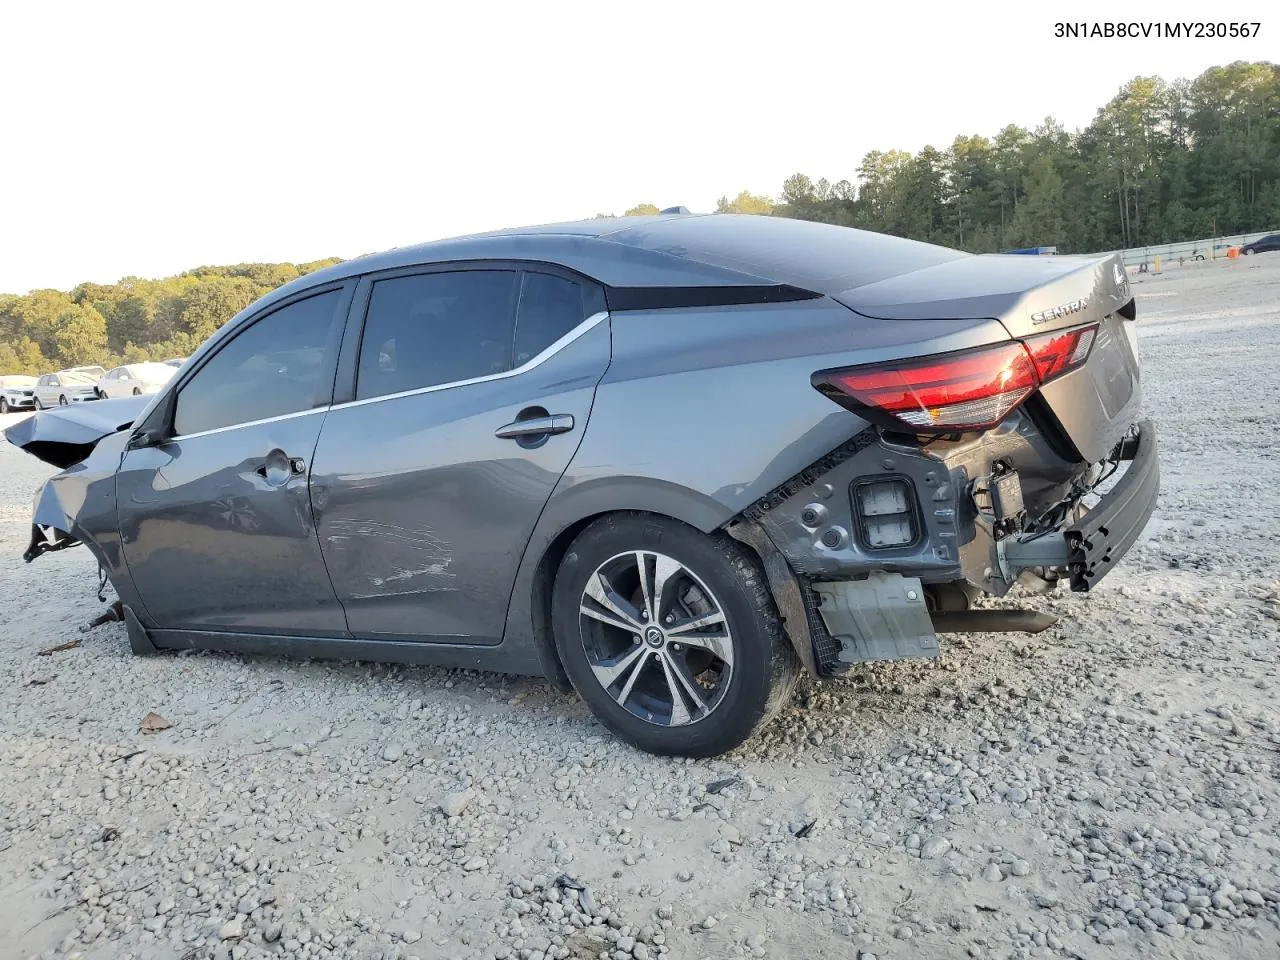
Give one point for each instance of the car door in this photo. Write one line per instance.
(214, 510)
(466, 393)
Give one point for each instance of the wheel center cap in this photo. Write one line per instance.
(653, 637)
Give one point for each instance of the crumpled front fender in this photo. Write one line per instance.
(79, 505)
(51, 522)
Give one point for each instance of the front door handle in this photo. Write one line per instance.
(278, 467)
(536, 427)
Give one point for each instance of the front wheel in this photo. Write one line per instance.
(137, 392)
(37, 404)
(670, 635)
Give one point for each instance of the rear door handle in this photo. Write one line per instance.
(536, 427)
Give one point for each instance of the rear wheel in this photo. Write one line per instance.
(1248, 253)
(137, 392)
(62, 401)
(670, 635)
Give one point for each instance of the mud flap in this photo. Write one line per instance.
(139, 641)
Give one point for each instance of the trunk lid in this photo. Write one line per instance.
(1094, 405)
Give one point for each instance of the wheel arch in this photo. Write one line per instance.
(567, 514)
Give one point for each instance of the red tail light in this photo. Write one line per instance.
(1056, 353)
(967, 390)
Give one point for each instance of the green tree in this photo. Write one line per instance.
(745, 202)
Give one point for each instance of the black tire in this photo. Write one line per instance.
(62, 401)
(38, 405)
(762, 669)
(137, 392)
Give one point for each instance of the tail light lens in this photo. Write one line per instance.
(967, 390)
(1056, 353)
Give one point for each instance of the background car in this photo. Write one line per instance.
(135, 379)
(1268, 244)
(17, 392)
(66, 387)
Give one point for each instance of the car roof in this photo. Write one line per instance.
(676, 250)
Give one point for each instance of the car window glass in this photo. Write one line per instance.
(549, 308)
(434, 328)
(268, 370)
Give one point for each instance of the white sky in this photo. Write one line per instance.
(148, 138)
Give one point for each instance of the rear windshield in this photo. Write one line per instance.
(77, 378)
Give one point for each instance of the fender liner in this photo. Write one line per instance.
(799, 621)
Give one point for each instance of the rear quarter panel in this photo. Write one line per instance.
(717, 403)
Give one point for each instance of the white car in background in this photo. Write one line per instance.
(135, 379)
(17, 392)
(68, 386)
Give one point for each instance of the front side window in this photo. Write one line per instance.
(429, 329)
(550, 307)
(270, 369)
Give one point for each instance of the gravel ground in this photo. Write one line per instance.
(1108, 788)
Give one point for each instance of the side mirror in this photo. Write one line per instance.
(150, 437)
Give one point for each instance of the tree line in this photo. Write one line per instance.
(1160, 162)
(133, 320)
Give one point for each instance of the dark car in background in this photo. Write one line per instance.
(1268, 244)
(671, 461)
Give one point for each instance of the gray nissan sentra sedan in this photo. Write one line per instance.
(671, 462)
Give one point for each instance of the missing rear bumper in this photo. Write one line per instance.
(1091, 547)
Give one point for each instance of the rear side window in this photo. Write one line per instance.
(430, 329)
(270, 369)
(550, 307)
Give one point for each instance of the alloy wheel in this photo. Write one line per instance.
(656, 638)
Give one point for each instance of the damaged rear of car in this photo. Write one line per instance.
(669, 462)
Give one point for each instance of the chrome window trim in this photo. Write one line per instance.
(249, 423)
(580, 330)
